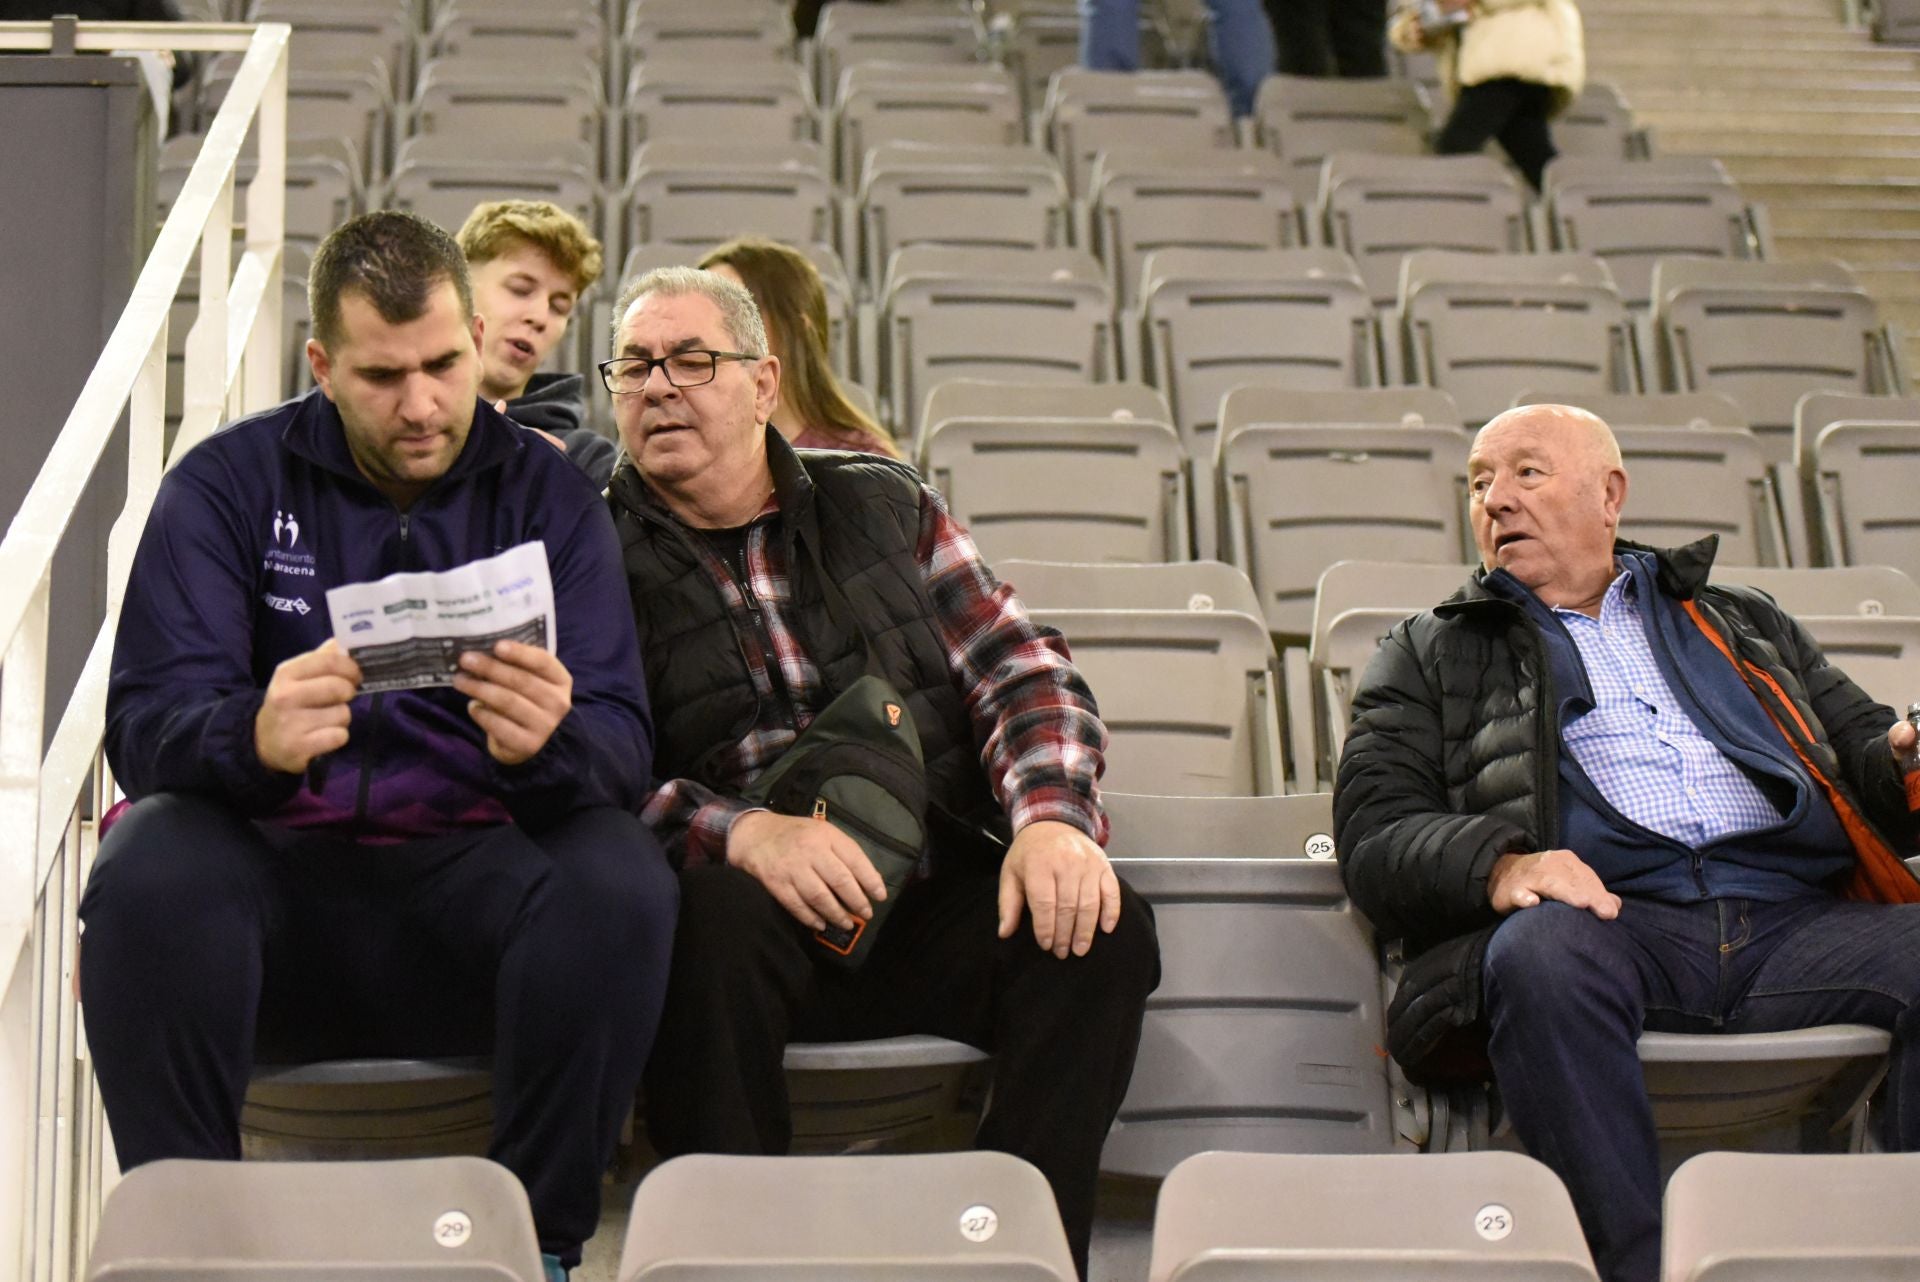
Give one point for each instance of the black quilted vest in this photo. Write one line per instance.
(861, 513)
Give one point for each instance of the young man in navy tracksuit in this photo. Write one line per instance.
(308, 872)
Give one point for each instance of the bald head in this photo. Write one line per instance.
(1547, 487)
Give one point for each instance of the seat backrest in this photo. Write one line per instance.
(1686, 483)
(1187, 698)
(694, 193)
(1748, 1217)
(1598, 122)
(1263, 1033)
(1089, 111)
(1840, 589)
(1148, 199)
(996, 197)
(1380, 208)
(1163, 585)
(1646, 409)
(855, 33)
(1482, 326)
(535, 35)
(1361, 407)
(983, 398)
(1304, 119)
(1631, 213)
(1868, 476)
(984, 112)
(703, 104)
(1815, 412)
(1399, 587)
(441, 1219)
(1084, 489)
(1297, 499)
(535, 116)
(723, 36)
(1765, 333)
(872, 1217)
(1369, 1218)
(957, 312)
(447, 191)
(1880, 652)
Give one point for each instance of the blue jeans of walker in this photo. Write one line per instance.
(1239, 43)
(1568, 995)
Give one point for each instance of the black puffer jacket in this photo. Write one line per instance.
(1449, 764)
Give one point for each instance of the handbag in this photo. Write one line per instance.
(857, 766)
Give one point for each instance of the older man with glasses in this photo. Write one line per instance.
(765, 581)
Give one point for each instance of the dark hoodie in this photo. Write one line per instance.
(556, 403)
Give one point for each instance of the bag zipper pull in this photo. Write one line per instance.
(820, 809)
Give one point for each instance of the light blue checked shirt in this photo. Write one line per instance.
(1639, 746)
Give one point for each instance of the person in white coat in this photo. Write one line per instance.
(1511, 66)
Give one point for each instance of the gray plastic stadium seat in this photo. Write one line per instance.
(1881, 653)
(1766, 333)
(856, 33)
(1148, 199)
(1444, 1217)
(447, 1219)
(1685, 483)
(890, 1092)
(368, 1108)
(1304, 119)
(533, 35)
(1632, 213)
(1896, 21)
(1381, 208)
(1165, 585)
(1868, 590)
(1088, 111)
(1599, 123)
(994, 197)
(1479, 325)
(321, 191)
(1754, 1217)
(728, 37)
(701, 103)
(1817, 411)
(1188, 698)
(356, 105)
(1038, 38)
(1300, 498)
(1361, 407)
(983, 398)
(446, 190)
(1212, 320)
(870, 1218)
(953, 312)
(1807, 1084)
(1646, 409)
(329, 36)
(697, 193)
(1264, 1032)
(493, 117)
(1079, 489)
(1867, 478)
(983, 111)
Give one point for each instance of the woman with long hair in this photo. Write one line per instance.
(814, 411)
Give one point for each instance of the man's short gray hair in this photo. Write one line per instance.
(745, 330)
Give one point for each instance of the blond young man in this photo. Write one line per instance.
(531, 261)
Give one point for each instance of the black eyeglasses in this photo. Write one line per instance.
(625, 375)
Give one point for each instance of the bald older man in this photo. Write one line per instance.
(1594, 793)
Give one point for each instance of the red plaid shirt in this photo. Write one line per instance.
(1040, 736)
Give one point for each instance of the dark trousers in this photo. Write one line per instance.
(1062, 1032)
(1568, 995)
(1330, 37)
(1513, 111)
(207, 935)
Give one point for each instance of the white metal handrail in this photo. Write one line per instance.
(53, 1169)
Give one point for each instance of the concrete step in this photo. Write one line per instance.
(1895, 96)
(1864, 193)
(1891, 251)
(1863, 143)
(1812, 218)
(1789, 166)
(1749, 10)
(1787, 83)
(1891, 284)
(1896, 116)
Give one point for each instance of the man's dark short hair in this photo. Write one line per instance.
(394, 260)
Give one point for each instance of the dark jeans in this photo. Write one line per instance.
(1062, 1032)
(1330, 37)
(207, 935)
(1513, 111)
(1568, 995)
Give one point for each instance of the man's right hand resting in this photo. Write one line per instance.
(1522, 881)
(305, 711)
(818, 873)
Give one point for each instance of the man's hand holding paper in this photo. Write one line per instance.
(304, 713)
(519, 695)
